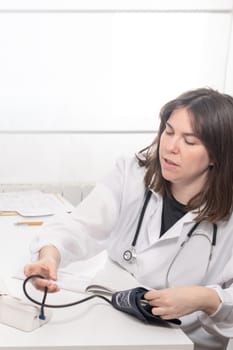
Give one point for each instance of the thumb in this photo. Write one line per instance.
(53, 272)
(26, 270)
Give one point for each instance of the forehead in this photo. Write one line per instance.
(181, 119)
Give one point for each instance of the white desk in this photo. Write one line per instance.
(93, 325)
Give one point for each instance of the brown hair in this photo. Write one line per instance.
(212, 115)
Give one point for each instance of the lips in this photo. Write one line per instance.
(169, 162)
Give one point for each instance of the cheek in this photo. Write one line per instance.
(199, 160)
(204, 158)
(161, 144)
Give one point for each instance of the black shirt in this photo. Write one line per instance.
(171, 213)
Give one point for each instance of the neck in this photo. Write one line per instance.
(183, 193)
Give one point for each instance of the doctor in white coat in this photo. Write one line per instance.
(181, 188)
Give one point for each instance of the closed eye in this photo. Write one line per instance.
(168, 129)
(169, 132)
(191, 140)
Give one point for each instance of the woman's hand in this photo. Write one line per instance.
(179, 301)
(46, 266)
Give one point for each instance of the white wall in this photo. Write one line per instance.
(229, 66)
(82, 82)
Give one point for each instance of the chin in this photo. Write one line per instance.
(167, 176)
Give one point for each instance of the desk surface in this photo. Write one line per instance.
(90, 326)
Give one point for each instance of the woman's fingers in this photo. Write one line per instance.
(48, 272)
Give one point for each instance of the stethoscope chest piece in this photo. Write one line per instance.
(129, 255)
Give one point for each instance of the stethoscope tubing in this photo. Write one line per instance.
(189, 235)
(129, 255)
(141, 217)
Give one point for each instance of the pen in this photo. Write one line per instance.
(30, 223)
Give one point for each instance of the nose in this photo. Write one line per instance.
(173, 144)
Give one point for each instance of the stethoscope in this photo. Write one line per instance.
(129, 255)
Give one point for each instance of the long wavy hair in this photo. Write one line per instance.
(212, 121)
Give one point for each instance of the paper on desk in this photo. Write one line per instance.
(97, 270)
(33, 203)
(76, 276)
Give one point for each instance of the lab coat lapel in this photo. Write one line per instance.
(180, 227)
(154, 226)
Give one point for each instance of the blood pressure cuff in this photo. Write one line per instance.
(132, 302)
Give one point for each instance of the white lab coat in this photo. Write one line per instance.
(110, 214)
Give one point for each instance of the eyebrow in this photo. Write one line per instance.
(184, 133)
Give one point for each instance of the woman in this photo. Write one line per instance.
(184, 246)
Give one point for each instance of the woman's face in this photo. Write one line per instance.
(183, 157)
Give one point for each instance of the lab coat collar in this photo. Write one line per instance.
(178, 228)
(189, 217)
(175, 231)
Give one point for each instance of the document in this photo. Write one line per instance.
(99, 269)
(33, 203)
